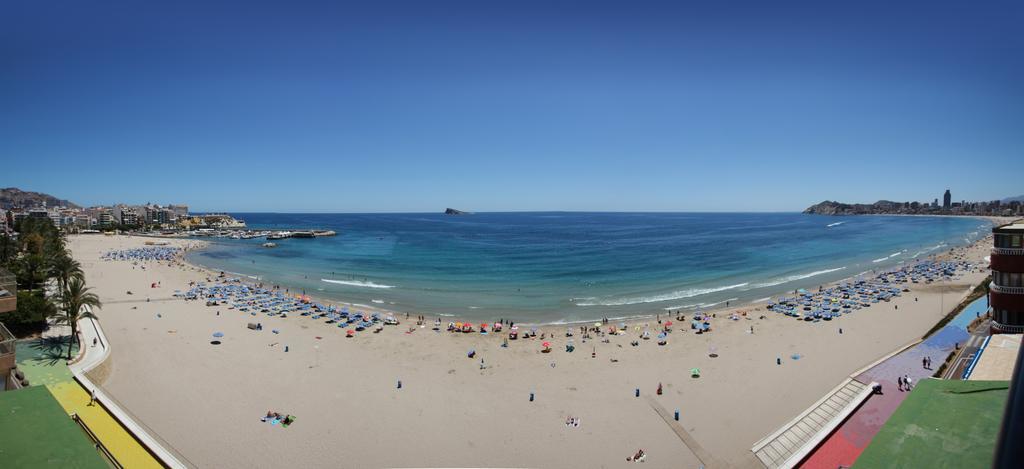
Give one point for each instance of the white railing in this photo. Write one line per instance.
(1008, 251)
(1007, 290)
(1006, 328)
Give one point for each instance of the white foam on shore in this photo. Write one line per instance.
(793, 278)
(890, 256)
(682, 306)
(356, 283)
(708, 305)
(762, 299)
(676, 295)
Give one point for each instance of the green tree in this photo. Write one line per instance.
(73, 301)
(31, 270)
(63, 268)
(33, 309)
(7, 249)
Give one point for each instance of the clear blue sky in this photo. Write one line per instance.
(422, 105)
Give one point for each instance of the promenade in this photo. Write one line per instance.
(43, 361)
(844, 446)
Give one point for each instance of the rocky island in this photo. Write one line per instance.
(452, 211)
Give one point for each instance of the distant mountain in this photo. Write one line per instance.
(1019, 198)
(13, 197)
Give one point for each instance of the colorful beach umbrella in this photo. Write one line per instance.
(546, 344)
(218, 334)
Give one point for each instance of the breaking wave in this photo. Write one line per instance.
(793, 278)
(676, 295)
(356, 283)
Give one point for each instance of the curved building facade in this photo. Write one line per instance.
(1006, 293)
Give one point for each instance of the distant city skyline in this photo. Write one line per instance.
(415, 107)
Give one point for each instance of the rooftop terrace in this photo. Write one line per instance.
(943, 423)
(36, 432)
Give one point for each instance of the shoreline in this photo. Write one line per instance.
(630, 319)
(326, 378)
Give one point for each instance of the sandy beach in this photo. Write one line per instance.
(207, 400)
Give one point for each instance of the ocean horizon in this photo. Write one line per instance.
(552, 267)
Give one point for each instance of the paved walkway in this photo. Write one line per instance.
(791, 443)
(851, 438)
(94, 355)
(44, 362)
(968, 353)
(75, 400)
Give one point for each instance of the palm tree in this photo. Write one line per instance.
(73, 300)
(32, 267)
(64, 268)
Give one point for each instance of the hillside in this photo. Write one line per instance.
(13, 197)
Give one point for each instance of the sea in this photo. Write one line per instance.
(564, 267)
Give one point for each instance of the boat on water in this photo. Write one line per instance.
(269, 245)
(280, 235)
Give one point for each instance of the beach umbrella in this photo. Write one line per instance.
(695, 372)
(483, 326)
(597, 324)
(218, 334)
(662, 335)
(668, 323)
(546, 344)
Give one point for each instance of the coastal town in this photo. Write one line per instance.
(1012, 206)
(152, 219)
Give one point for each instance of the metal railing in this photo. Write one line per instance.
(8, 343)
(1008, 251)
(96, 441)
(1007, 328)
(8, 291)
(1007, 290)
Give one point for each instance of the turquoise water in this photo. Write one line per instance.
(549, 267)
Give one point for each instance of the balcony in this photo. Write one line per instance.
(1008, 251)
(8, 345)
(1007, 290)
(8, 292)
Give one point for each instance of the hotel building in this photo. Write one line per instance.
(1006, 293)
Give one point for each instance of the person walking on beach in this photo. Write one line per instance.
(924, 363)
(899, 382)
(92, 397)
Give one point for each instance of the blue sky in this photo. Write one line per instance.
(418, 106)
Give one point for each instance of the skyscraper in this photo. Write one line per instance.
(946, 199)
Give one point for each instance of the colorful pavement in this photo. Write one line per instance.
(36, 432)
(42, 361)
(944, 423)
(846, 444)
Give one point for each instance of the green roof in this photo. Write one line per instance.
(943, 423)
(35, 431)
